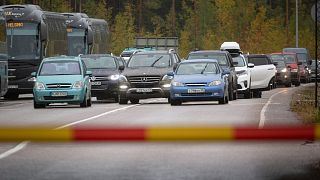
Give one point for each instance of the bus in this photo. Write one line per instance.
(32, 34)
(3, 57)
(86, 35)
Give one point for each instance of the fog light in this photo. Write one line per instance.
(123, 86)
(285, 76)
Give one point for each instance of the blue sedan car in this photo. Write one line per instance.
(62, 79)
(199, 80)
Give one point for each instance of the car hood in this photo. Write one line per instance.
(197, 78)
(293, 65)
(146, 71)
(103, 72)
(59, 79)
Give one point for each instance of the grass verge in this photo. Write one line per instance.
(303, 103)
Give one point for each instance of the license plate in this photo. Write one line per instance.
(196, 90)
(141, 90)
(59, 94)
(12, 86)
(96, 83)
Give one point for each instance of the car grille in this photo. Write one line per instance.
(58, 97)
(58, 85)
(196, 94)
(195, 84)
(144, 81)
(99, 78)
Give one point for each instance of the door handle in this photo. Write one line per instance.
(270, 69)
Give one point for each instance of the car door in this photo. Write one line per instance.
(262, 72)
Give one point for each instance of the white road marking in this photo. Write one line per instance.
(17, 148)
(264, 109)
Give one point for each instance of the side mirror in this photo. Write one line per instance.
(299, 63)
(121, 67)
(43, 31)
(88, 73)
(275, 63)
(235, 63)
(34, 74)
(250, 65)
(170, 74)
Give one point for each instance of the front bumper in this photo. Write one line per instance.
(156, 92)
(74, 96)
(106, 89)
(243, 83)
(283, 78)
(210, 93)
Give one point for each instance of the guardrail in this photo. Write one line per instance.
(161, 133)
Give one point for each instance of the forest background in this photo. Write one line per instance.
(259, 26)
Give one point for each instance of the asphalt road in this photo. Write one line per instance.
(165, 160)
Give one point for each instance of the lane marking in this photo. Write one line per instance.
(264, 109)
(17, 148)
(94, 117)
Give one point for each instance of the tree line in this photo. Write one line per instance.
(259, 26)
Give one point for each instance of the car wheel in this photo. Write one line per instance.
(297, 83)
(134, 101)
(235, 96)
(84, 103)
(248, 94)
(175, 102)
(257, 94)
(89, 102)
(288, 84)
(230, 94)
(116, 99)
(38, 106)
(271, 84)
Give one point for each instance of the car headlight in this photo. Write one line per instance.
(78, 85)
(39, 86)
(242, 72)
(215, 83)
(284, 70)
(175, 83)
(166, 77)
(114, 77)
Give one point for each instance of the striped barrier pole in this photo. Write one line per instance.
(161, 133)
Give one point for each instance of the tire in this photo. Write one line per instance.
(134, 101)
(89, 102)
(248, 94)
(297, 83)
(271, 84)
(230, 94)
(38, 106)
(84, 103)
(235, 96)
(288, 84)
(116, 99)
(175, 102)
(257, 94)
(13, 95)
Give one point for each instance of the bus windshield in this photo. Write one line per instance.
(76, 41)
(23, 40)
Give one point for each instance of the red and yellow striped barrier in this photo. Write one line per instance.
(161, 133)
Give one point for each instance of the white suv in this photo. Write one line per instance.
(242, 68)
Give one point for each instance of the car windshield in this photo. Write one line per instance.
(221, 58)
(99, 62)
(289, 58)
(302, 57)
(197, 68)
(149, 60)
(60, 68)
(239, 61)
(277, 57)
(281, 63)
(76, 41)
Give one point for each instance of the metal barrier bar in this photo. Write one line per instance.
(161, 133)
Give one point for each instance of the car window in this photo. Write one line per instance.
(149, 60)
(277, 57)
(96, 62)
(289, 58)
(60, 68)
(221, 58)
(281, 63)
(258, 61)
(197, 68)
(302, 57)
(240, 61)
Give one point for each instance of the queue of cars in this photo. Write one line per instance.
(209, 75)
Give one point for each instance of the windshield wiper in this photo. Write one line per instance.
(156, 61)
(204, 68)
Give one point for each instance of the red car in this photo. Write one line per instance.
(291, 60)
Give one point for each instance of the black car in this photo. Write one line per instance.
(225, 61)
(283, 74)
(145, 76)
(106, 71)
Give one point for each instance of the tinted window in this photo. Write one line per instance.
(280, 64)
(60, 68)
(221, 58)
(258, 61)
(240, 61)
(290, 58)
(149, 60)
(302, 57)
(99, 62)
(277, 57)
(197, 68)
